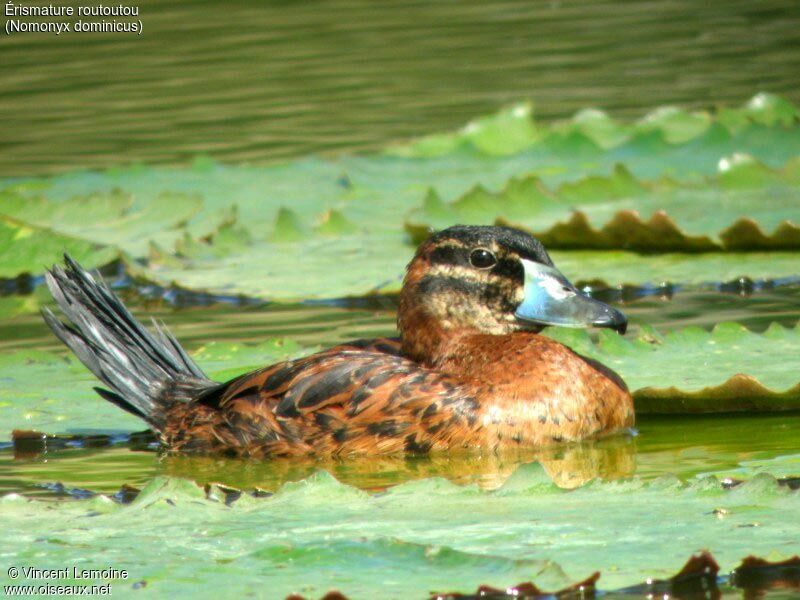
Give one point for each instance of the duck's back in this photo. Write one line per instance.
(358, 398)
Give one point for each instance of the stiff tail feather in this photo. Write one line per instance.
(147, 373)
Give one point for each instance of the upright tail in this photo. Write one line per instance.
(146, 373)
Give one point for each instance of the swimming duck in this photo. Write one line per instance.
(468, 370)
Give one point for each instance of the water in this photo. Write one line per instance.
(265, 81)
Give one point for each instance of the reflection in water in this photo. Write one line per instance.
(569, 466)
(265, 80)
(684, 446)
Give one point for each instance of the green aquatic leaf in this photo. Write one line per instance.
(288, 227)
(11, 306)
(728, 212)
(693, 370)
(335, 223)
(29, 249)
(318, 534)
(223, 361)
(513, 129)
(316, 266)
(110, 218)
(47, 392)
(229, 239)
(616, 268)
(786, 465)
(764, 108)
(364, 265)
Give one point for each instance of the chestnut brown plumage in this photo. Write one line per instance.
(469, 370)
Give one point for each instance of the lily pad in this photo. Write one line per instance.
(693, 370)
(730, 211)
(112, 217)
(223, 361)
(315, 266)
(29, 249)
(513, 129)
(358, 266)
(318, 534)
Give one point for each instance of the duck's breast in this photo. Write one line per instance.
(533, 390)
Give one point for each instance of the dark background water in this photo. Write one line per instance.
(259, 81)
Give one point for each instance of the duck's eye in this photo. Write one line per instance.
(482, 259)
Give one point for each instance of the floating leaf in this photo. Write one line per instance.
(288, 227)
(614, 268)
(11, 306)
(512, 129)
(111, 218)
(694, 370)
(725, 213)
(363, 265)
(318, 534)
(29, 249)
(315, 266)
(298, 225)
(334, 223)
(223, 361)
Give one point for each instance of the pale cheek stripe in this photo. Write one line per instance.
(470, 274)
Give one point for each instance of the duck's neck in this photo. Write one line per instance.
(426, 340)
(422, 338)
(436, 327)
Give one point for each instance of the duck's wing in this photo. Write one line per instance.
(361, 397)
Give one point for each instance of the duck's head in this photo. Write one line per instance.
(494, 280)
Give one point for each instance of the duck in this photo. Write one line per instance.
(469, 368)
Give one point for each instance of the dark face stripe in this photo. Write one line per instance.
(473, 236)
(449, 255)
(506, 269)
(458, 256)
(510, 268)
